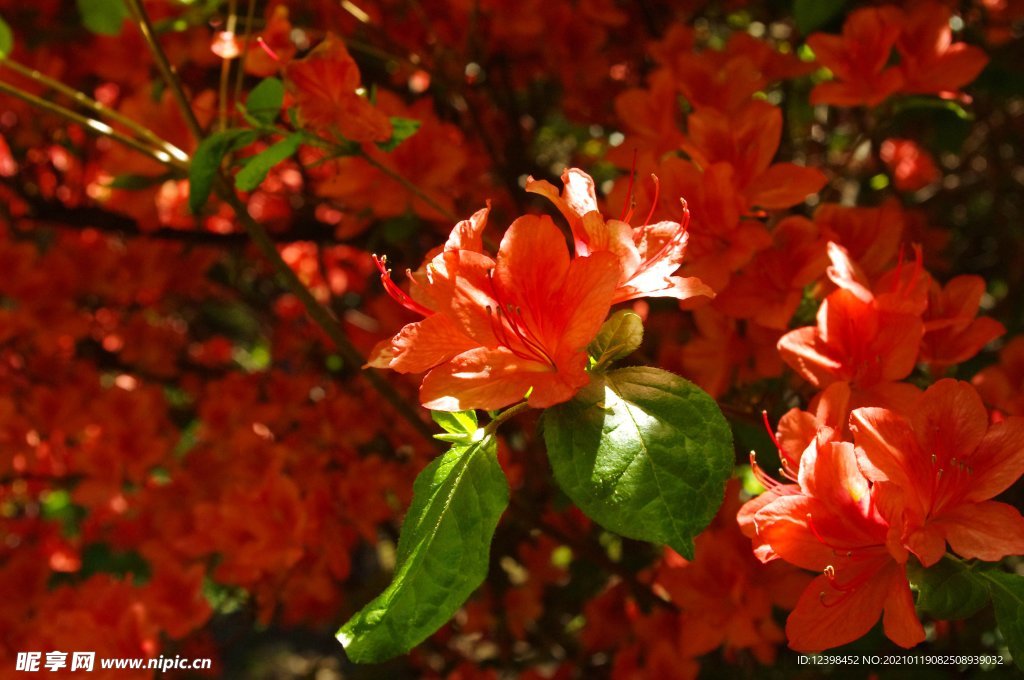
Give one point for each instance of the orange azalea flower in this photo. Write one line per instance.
(499, 329)
(871, 236)
(720, 242)
(324, 83)
(834, 521)
(726, 79)
(648, 255)
(952, 332)
(930, 61)
(768, 290)
(866, 339)
(858, 59)
(748, 140)
(943, 464)
(1002, 385)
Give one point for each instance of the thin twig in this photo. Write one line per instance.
(92, 125)
(225, 69)
(250, 17)
(79, 97)
(165, 68)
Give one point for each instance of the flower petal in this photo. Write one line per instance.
(986, 531)
(420, 346)
(900, 621)
(950, 420)
(490, 379)
(998, 461)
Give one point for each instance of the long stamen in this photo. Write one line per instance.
(630, 203)
(396, 293)
(523, 332)
(498, 328)
(654, 203)
(760, 475)
(670, 243)
(788, 464)
(508, 314)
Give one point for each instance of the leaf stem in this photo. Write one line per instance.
(492, 426)
(165, 68)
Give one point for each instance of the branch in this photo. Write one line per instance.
(91, 125)
(165, 68)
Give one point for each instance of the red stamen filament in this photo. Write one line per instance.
(788, 464)
(678, 236)
(855, 552)
(760, 475)
(847, 589)
(654, 203)
(266, 48)
(396, 293)
(506, 313)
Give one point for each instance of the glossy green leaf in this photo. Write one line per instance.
(1007, 592)
(401, 130)
(644, 453)
(949, 590)
(6, 39)
(812, 14)
(105, 17)
(206, 162)
(619, 337)
(255, 169)
(442, 556)
(265, 100)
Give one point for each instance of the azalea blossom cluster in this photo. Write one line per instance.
(516, 326)
(920, 471)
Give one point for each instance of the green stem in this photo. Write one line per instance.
(503, 416)
(165, 68)
(92, 125)
(140, 131)
(250, 15)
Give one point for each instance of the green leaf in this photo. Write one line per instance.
(933, 103)
(619, 337)
(256, 167)
(442, 553)
(105, 17)
(949, 590)
(6, 39)
(1008, 599)
(811, 14)
(401, 130)
(461, 426)
(206, 162)
(644, 453)
(265, 100)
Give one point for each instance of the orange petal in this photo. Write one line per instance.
(986, 531)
